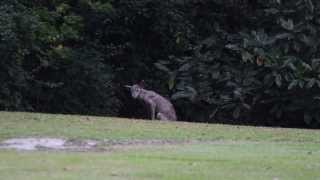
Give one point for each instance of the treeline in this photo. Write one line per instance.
(234, 61)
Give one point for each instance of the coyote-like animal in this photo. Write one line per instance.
(160, 108)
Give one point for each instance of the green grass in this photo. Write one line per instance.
(83, 127)
(229, 160)
(228, 152)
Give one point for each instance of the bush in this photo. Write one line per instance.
(47, 64)
(266, 73)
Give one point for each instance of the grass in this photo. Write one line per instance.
(226, 152)
(88, 127)
(231, 160)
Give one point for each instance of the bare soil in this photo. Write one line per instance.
(57, 144)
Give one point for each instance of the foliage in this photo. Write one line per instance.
(265, 73)
(46, 66)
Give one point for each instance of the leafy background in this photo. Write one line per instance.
(234, 61)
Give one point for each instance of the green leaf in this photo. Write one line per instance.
(233, 47)
(292, 66)
(287, 24)
(180, 95)
(310, 5)
(215, 75)
(301, 84)
(185, 67)
(246, 56)
(278, 80)
(293, 84)
(289, 59)
(213, 114)
(272, 11)
(162, 67)
(306, 66)
(188, 92)
(247, 106)
(309, 41)
(315, 63)
(284, 36)
(311, 83)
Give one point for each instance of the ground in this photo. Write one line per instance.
(137, 149)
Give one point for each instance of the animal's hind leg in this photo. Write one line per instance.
(163, 117)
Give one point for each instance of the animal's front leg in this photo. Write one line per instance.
(153, 111)
(152, 107)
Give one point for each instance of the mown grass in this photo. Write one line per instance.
(226, 152)
(89, 127)
(229, 160)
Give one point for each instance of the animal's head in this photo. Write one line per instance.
(135, 90)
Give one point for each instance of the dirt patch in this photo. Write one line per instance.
(33, 144)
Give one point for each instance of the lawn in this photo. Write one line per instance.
(201, 151)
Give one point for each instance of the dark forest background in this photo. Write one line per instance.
(227, 61)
